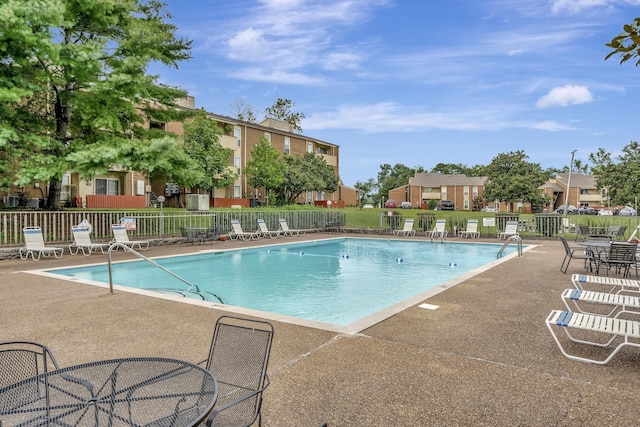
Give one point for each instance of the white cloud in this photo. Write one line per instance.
(249, 40)
(342, 60)
(575, 6)
(257, 74)
(550, 126)
(295, 37)
(372, 118)
(565, 95)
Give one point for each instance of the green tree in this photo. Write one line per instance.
(620, 175)
(74, 92)
(202, 144)
(511, 179)
(459, 169)
(281, 110)
(305, 173)
(578, 166)
(365, 190)
(627, 43)
(266, 169)
(393, 177)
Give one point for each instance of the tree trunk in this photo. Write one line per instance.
(53, 198)
(63, 117)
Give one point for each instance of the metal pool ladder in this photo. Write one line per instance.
(510, 239)
(192, 289)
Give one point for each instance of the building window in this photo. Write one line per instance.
(309, 196)
(466, 191)
(236, 191)
(154, 125)
(237, 132)
(466, 204)
(65, 192)
(443, 193)
(309, 147)
(475, 191)
(106, 186)
(287, 145)
(267, 136)
(322, 150)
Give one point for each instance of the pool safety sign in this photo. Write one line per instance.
(489, 222)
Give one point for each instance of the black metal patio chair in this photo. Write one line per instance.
(238, 358)
(620, 257)
(24, 359)
(576, 253)
(620, 233)
(20, 360)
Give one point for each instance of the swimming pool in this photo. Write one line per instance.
(337, 284)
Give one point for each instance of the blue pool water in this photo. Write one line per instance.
(335, 281)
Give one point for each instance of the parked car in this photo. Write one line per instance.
(368, 206)
(571, 210)
(445, 205)
(627, 211)
(489, 209)
(607, 212)
(406, 205)
(390, 204)
(587, 210)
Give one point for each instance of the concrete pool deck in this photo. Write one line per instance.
(484, 357)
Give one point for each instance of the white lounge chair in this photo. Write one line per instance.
(266, 232)
(34, 245)
(407, 230)
(471, 231)
(284, 227)
(510, 229)
(120, 236)
(626, 332)
(82, 242)
(439, 231)
(614, 284)
(574, 298)
(238, 233)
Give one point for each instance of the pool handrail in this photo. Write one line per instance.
(116, 246)
(513, 238)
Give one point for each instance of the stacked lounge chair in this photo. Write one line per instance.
(605, 330)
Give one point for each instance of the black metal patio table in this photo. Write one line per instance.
(141, 391)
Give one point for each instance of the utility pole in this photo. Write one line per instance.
(566, 197)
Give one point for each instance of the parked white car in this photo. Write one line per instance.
(607, 212)
(627, 211)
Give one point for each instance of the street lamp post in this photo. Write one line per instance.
(566, 197)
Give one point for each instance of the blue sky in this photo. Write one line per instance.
(420, 82)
